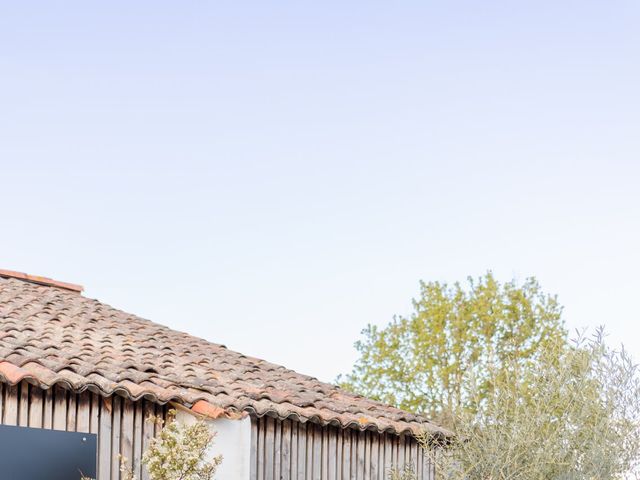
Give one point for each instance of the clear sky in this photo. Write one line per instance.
(275, 175)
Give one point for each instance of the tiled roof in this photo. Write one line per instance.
(51, 335)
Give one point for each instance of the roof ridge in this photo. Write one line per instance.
(46, 281)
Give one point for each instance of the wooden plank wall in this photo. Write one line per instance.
(119, 423)
(289, 450)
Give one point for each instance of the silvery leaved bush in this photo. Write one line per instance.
(572, 414)
(177, 453)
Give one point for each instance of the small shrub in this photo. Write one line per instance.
(178, 453)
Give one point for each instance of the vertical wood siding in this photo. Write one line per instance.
(119, 423)
(289, 450)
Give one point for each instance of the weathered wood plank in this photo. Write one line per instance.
(59, 408)
(309, 432)
(419, 462)
(148, 430)
(413, 446)
(332, 453)
(406, 451)
(11, 405)
(138, 419)
(23, 406)
(104, 439)
(285, 452)
(367, 455)
(253, 454)
(374, 457)
(354, 454)
(269, 449)
(47, 417)
(126, 431)
(338, 460)
(94, 418)
(388, 454)
(260, 449)
(302, 450)
(83, 418)
(277, 449)
(361, 456)
(294, 450)
(317, 452)
(324, 453)
(346, 454)
(116, 435)
(72, 413)
(36, 405)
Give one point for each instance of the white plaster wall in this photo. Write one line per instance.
(232, 441)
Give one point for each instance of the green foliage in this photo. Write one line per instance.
(178, 453)
(418, 363)
(572, 416)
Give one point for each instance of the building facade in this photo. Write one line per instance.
(72, 363)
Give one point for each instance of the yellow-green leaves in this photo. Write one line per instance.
(419, 362)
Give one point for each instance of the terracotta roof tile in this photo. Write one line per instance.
(52, 335)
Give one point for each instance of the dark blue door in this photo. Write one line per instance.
(36, 454)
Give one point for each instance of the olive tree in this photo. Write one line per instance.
(573, 414)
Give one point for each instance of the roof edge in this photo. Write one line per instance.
(13, 374)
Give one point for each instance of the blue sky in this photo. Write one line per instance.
(275, 175)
